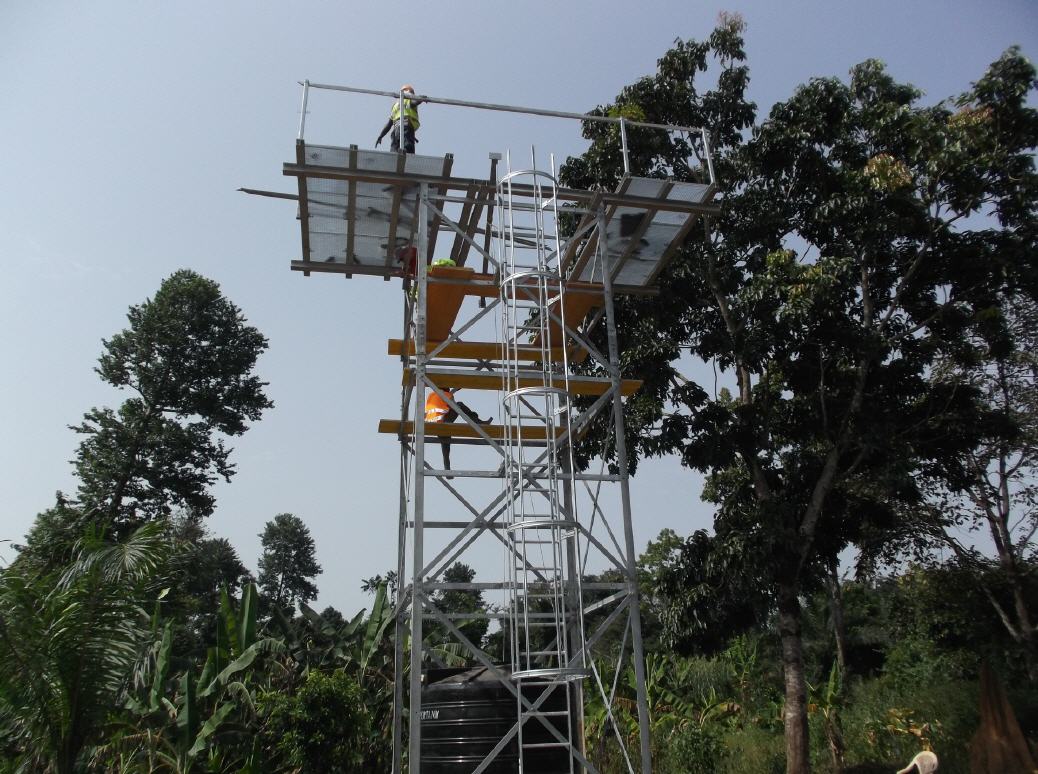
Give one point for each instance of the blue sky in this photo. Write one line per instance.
(127, 128)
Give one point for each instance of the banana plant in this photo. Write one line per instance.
(177, 732)
(827, 701)
(357, 644)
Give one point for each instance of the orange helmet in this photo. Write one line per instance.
(436, 408)
(407, 87)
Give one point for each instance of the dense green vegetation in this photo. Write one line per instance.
(868, 294)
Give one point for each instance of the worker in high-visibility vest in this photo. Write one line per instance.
(410, 122)
(437, 411)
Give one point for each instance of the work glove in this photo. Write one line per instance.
(378, 142)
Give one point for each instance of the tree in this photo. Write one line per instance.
(371, 585)
(287, 567)
(202, 568)
(188, 357)
(464, 601)
(323, 727)
(993, 486)
(850, 255)
(188, 354)
(69, 640)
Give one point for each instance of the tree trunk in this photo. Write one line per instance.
(836, 611)
(794, 713)
(1023, 620)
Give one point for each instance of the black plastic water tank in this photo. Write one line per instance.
(466, 712)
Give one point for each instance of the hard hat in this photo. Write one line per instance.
(407, 87)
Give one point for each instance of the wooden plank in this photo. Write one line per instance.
(463, 223)
(574, 309)
(481, 284)
(351, 210)
(574, 242)
(491, 380)
(443, 300)
(434, 225)
(461, 184)
(460, 429)
(304, 212)
(471, 229)
(394, 214)
(492, 179)
(474, 350)
(486, 285)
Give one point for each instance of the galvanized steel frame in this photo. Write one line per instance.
(414, 598)
(414, 590)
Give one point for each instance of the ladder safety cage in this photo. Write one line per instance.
(545, 600)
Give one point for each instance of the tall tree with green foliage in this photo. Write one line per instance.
(992, 489)
(202, 568)
(187, 358)
(288, 564)
(464, 601)
(862, 237)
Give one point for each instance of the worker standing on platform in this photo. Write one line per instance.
(410, 122)
(437, 411)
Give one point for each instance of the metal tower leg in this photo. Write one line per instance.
(401, 597)
(625, 493)
(417, 593)
(401, 568)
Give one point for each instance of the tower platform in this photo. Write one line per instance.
(358, 211)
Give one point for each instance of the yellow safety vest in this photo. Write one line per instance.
(410, 113)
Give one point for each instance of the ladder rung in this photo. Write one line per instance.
(543, 745)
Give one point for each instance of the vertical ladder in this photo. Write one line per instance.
(545, 624)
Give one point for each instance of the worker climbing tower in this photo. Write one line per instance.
(508, 286)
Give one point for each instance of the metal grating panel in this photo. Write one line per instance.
(331, 230)
(639, 263)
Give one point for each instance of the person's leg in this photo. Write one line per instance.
(408, 138)
(472, 414)
(445, 444)
(394, 138)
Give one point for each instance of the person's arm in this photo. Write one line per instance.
(385, 130)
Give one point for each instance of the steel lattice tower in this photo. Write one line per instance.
(521, 330)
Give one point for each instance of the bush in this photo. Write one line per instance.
(692, 749)
(322, 727)
(886, 722)
(753, 750)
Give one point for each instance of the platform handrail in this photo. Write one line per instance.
(621, 121)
